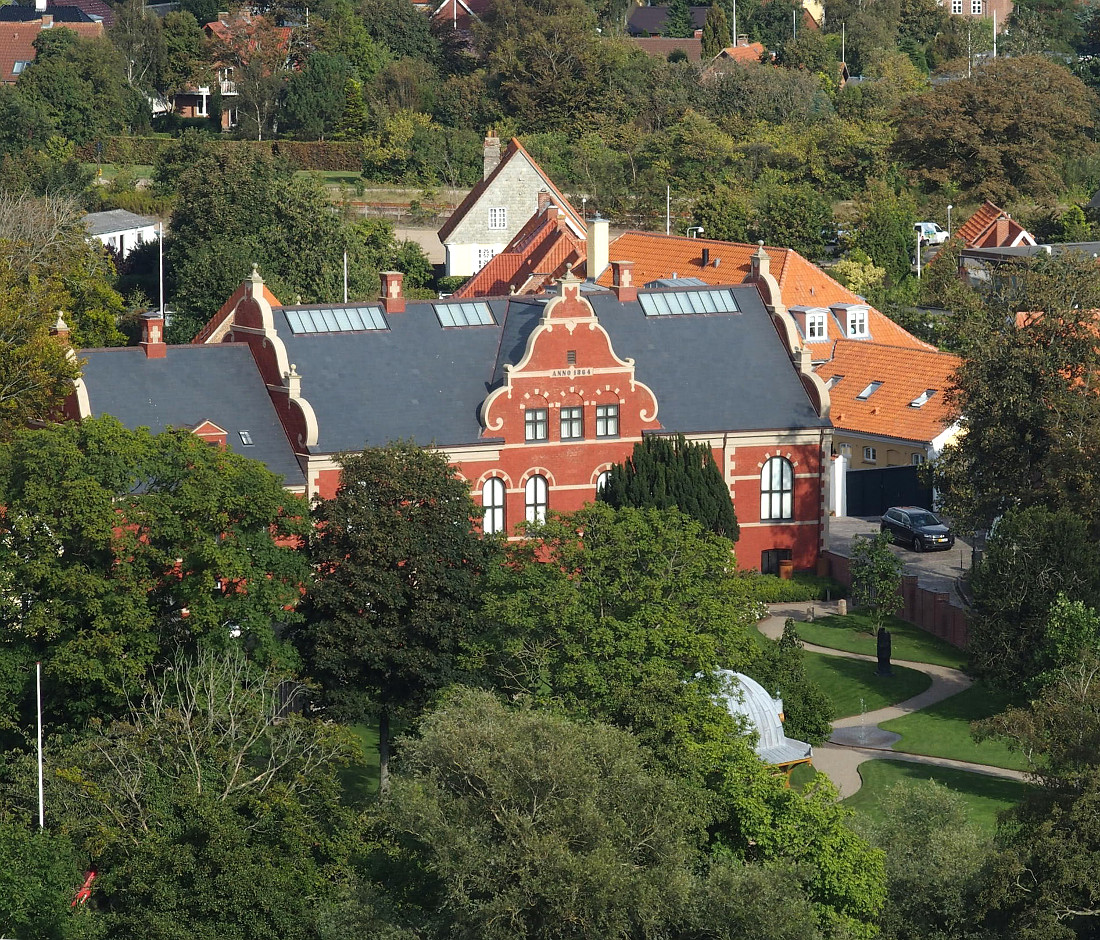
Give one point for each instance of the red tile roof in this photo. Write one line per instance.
(661, 46)
(750, 53)
(514, 149)
(992, 227)
(906, 375)
(800, 281)
(537, 255)
(17, 42)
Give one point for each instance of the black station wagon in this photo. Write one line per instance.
(916, 527)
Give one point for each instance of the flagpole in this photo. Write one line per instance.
(41, 787)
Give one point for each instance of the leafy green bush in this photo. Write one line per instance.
(770, 589)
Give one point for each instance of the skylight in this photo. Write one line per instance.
(335, 319)
(246, 438)
(675, 303)
(869, 391)
(833, 379)
(468, 314)
(922, 398)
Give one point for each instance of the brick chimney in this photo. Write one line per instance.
(60, 330)
(491, 154)
(392, 299)
(622, 274)
(152, 335)
(545, 201)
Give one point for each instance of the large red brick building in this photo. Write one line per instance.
(534, 397)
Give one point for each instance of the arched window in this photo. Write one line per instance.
(492, 501)
(777, 489)
(601, 480)
(536, 495)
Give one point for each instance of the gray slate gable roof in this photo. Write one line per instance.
(218, 383)
(115, 220)
(418, 380)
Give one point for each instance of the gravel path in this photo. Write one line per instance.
(859, 738)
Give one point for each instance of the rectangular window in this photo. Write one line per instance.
(246, 438)
(498, 218)
(870, 455)
(976, 7)
(846, 450)
(484, 256)
(536, 424)
(857, 323)
(918, 459)
(572, 424)
(607, 421)
(956, 6)
(815, 326)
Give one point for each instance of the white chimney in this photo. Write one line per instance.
(599, 244)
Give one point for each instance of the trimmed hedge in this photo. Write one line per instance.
(301, 154)
(770, 589)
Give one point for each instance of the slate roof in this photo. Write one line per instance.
(800, 281)
(96, 9)
(416, 379)
(115, 220)
(906, 375)
(13, 13)
(650, 21)
(513, 151)
(218, 383)
(538, 253)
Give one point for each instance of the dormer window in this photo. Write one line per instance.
(922, 398)
(870, 390)
(857, 322)
(815, 326)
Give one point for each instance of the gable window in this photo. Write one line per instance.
(492, 500)
(535, 498)
(536, 424)
(607, 421)
(484, 256)
(815, 326)
(572, 424)
(870, 390)
(870, 455)
(498, 218)
(857, 323)
(777, 489)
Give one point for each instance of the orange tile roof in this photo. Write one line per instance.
(513, 149)
(990, 227)
(905, 374)
(800, 281)
(750, 53)
(538, 254)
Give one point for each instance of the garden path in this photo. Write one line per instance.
(859, 738)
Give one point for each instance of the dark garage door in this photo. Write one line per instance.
(872, 492)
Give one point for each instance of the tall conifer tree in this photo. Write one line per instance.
(716, 32)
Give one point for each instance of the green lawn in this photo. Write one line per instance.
(852, 634)
(986, 796)
(943, 729)
(361, 781)
(854, 688)
(333, 177)
(110, 170)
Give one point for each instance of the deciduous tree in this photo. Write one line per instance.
(876, 577)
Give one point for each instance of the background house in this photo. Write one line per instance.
(121, 231)
(20, 26)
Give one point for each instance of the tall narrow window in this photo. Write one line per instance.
(498, 217)
(815, 326)
(572, 424)
(536, 496)
(777, 489)
(484, 256)
(536, 424)
(601, 480)
(492, 501)
(607, 421)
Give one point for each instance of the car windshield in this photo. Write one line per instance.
(923, 518)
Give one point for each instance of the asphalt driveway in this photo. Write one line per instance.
(936, 571)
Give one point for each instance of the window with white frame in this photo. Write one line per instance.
(815, 326)
(777, 489)
(536, 424)
(572, 424)
(536, 497)
(976, 7)
(484, 256)
(498, 217)
(492, 501)
(870, 455)
(918, 459)
(857, 323)
(846, 450)
(956, 6)
(607, 421)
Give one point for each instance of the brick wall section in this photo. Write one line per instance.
(929, 610)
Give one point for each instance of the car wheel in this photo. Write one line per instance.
(918, 545)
